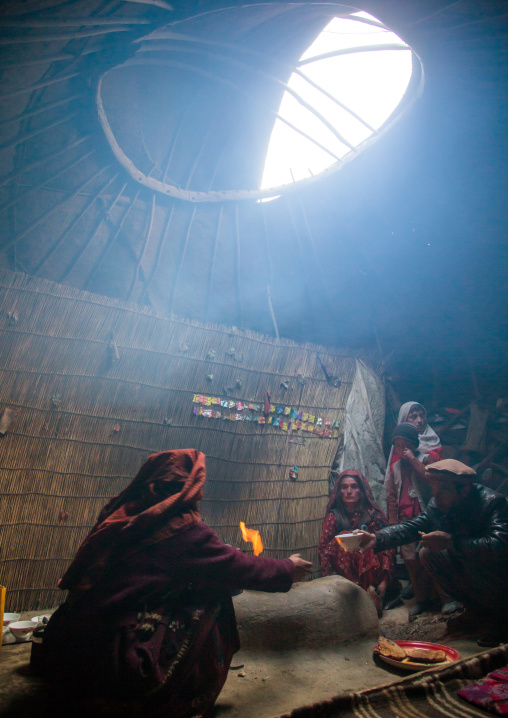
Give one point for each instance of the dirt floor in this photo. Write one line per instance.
(266, 685)
(261, 684)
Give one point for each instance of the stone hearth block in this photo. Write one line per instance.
(314, 614)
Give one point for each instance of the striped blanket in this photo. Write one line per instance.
(428, 694)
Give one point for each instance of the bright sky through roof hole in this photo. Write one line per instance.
(369, 83)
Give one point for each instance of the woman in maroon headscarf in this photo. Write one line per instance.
(352, 506)
(148, 627)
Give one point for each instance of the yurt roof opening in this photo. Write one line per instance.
(141, 265)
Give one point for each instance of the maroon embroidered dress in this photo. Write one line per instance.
(149, 626)
(367, 569)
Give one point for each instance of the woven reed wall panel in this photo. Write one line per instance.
(64, 457)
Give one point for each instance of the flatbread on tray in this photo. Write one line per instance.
(389, 649)
(425, 656)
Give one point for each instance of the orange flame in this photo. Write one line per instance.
(253, 536)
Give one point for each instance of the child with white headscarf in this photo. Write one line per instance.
(413, 413)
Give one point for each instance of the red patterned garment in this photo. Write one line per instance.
(367, 569)
(490, 694)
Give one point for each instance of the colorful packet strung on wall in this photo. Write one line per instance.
(295, 419)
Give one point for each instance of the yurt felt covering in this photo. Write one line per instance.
(97, 385)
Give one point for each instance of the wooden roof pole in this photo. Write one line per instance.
(73, 21)
(270, 272)
(18, 139)
(353, 51)
(333, 99)
(303, 263)
(272, 313)
(143, 249)
(148, 279)
(110, 242)
(71, 226)
(237, 265)
(173, 144)
(47, 158)
(45, 182)
(38, 85)
(314, 252)
(39, 110)
(212, 263)
(199, 153)
(156, 3)
(16, 238)
(85, 246)
(50, 58)
(181, 260)
(30, 39)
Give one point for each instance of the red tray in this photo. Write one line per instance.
(408, 665)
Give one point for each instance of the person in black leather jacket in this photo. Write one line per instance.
(463, 536)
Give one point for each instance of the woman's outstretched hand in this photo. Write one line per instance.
(302, 567)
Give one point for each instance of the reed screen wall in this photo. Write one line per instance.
(89, 412)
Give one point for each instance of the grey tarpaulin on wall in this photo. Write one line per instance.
(362, 448)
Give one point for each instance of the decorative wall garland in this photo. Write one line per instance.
(281, 416)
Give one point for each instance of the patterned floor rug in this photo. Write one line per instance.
(429, 694)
